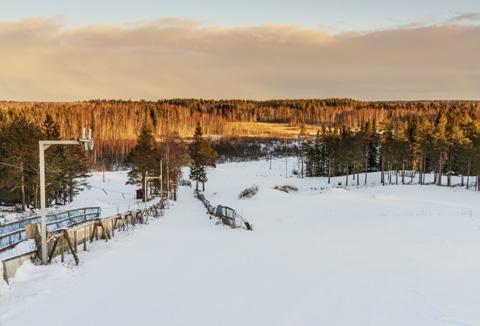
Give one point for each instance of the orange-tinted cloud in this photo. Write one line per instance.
(45, 59)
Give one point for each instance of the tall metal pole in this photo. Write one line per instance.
(286, 161)
(168, 182)
(43, 213)
(145, 193)
(161, 182)
(42, 146)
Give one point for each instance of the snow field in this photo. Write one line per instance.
(393, 255)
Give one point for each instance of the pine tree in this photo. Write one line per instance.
(309, 150)
(202, 156)
(457, 142)
(19, 155)
(440, 144)
(143, 159)
(54, 156)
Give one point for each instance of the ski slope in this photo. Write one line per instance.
(393, 255)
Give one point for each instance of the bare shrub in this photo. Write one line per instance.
(248, 192)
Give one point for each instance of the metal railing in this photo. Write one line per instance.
(228, 215)
(14, 232)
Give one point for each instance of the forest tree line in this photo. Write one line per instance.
(65, 172)
(447, 146)
(116, 123)
(355, 137)
(67, 167)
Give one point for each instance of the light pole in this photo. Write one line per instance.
(43, 145)
(145, 194)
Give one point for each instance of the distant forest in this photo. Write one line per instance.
(116, 124)
(330, 138)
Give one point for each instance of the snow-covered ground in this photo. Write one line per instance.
(112, 196)
(393, 255)
(109, 193)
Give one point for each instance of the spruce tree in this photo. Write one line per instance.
(440, 144)
(143, 159)
(19, 158)
(202, 155)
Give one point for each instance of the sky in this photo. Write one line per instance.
(145, 49)
(334, 16)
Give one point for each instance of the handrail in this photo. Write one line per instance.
(38, 217)
(14, 232)
(231, 219)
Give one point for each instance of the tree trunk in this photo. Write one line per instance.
(449, 175)
(329, 172)
(424, 166)
(439, 177)
(346, 177)
(144, 175)
(412, 176)
(382, 176)
(403, 172)
(302, 165)
(396, 173)
(420, 173)
(203, 186)
(22, 188)
(389, 173)
(468, 174)
(35, 196)
(366, 169)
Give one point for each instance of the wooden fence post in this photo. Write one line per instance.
(75, 240)
(84, 239)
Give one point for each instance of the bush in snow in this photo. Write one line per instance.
(248, 192)
(286, 188)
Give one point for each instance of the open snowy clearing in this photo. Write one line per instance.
(393, 255)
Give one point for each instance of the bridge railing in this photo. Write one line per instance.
(14, 232)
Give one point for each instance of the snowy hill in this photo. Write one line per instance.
(321, 255)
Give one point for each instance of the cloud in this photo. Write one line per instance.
(470, 16)
(44, 59)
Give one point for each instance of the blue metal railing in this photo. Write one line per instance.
(14, 232)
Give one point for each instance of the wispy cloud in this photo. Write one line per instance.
(44, 59)
(469, 16)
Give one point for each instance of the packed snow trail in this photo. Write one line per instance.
(122, 282)
(397, 255)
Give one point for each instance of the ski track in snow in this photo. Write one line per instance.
(393, 255)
